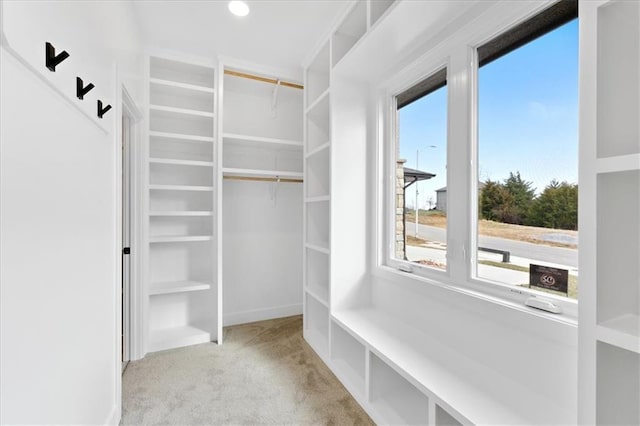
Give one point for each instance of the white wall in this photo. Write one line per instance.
(59, 234)
(262, 255)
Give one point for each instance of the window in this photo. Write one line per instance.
(482, 156)
(527, 229)
(420, 215)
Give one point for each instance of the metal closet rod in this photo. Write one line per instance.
(264, 179)
(263, 79)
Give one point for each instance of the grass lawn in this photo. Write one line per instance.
(573, 280)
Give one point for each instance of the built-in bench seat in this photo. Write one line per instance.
(467, 390)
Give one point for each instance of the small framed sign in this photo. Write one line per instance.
(549, 278)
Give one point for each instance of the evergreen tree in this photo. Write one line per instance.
(497, 203)
(522, 195)
(556, 207)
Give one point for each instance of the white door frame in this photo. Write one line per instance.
(126, 106)
(131, 111)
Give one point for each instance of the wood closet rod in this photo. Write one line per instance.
(264, 179)
(263, 79)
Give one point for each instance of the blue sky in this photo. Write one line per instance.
(528, 118)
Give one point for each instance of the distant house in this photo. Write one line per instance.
(441, 197)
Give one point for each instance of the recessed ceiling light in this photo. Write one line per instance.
(239, 8)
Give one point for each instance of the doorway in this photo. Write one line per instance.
(126, 241)
(130, 327)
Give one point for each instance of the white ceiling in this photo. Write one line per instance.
(277, 33)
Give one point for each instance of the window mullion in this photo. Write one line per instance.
(458, 160)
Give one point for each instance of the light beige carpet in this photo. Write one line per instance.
(264, 373)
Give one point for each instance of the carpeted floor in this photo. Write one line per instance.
(264, 373)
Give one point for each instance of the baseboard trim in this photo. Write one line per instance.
(114, 416)
(243, 317)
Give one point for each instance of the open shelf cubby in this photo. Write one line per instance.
(318, 125)
(617, 386)
(318, 75)
(164, 226)
(165, 94)
(618, 271)
(318, 219)
(177, 200)
(178, 174)
(181, 72)
(378, 8)
(180, 319)
(349, 31)
(316, 321)
(317, 274)
(318, 174)
(181, 263)
(618, 107)
(443, 418)
(167, 148)
(167, 121)
(394, 399)
(348, 357)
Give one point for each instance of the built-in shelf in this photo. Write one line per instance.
(258, 141)
(317, 81)
(184, 111)
(175, 162)
(393, 398)
(318, 150)
(348, 358)
(313, 292)
(171, 287)
(623, 332)
(228, 171)
(170, 83)
(316, 322)
(180, 188)
(379, 9)
(318, 175)
(617, 385)
(177, 337)
(620, 163)
(324, 96)
(178, 71)
(350, 30)
(317, 248)
(181, 213)
(318, 199)
(181, 137)
(180, 239)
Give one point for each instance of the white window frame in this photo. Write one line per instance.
(390, 171)
(458, 53)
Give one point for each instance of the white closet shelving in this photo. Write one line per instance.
(610, 186)
(183, 287)
(399, 374)
(317, 193)
(261, 162)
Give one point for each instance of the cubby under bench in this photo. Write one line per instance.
(401, 375)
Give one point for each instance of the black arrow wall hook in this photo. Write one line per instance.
(51, 60)
(82, 90)
(102, 111)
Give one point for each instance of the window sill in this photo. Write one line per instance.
(467, 290)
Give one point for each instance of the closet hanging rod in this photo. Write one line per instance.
(264, 179)
(263, 79)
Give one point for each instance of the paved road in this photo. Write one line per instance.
(559, 255)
